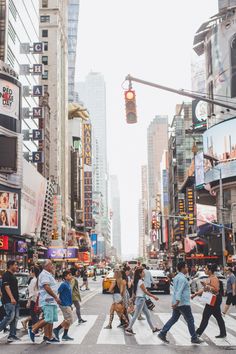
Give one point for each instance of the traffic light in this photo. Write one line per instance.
(130, 106)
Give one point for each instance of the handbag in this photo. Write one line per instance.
(150, 304)
(208, 298)
(37, 309)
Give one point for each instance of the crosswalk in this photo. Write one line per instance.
(178, 335)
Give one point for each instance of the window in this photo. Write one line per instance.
(45, 75)
(44, 3)
(45, 46)
(44, 18)
(44, 33)
(45, 59)
(209, 58)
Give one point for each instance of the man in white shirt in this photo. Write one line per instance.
(148, 280)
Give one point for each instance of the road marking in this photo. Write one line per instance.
(212, 330)
(179, 331)
(144, 335)
(78, 332)
(111, 336)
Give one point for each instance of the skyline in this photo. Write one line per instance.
(119, 38)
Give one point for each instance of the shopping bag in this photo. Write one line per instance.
(149, 304)
(208, 298)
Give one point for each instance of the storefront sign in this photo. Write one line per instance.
(9, 210)
(87, 144)
(88, 202)
(62, 253)
(4, 246)
(190, 205)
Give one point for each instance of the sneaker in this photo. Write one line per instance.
(56, 333)
(45, 338)
(67, 338)
(141, 318)
(5, 330)
(121, 325)
(163, 338)
(31, 335)
(10, 339)
(129, 332)
(13, 339)
(52, 341)
(82, 321)
(87, 289)
(196, 341)
(156, 330)
(108, 327)
(221, 336)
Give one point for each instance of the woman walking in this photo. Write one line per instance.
(118, 290)
(140, 292)
(230, 290)
(212, 285)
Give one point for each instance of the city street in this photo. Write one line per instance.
(91, 337)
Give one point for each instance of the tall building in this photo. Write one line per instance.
(92, 92)
(53, 32)
(115, 207)
(157, 142)
(143, 213)
(14, 14)
(73, 19)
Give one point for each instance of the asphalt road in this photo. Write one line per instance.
(91, 337)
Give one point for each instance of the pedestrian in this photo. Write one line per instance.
(65, 295)
(76, 297)
(180, 305)
(230, 290)
(117, 288)
(33, 294)
(127, 270)
(94, 273)
(48, 300)
(10, 298)
(212, 285)
(85, 278)
(140, 292)
(148, 279)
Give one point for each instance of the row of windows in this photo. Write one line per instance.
(13, 9)
(12, 32)
(45, 18)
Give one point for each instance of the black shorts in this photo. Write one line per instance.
(229, 299)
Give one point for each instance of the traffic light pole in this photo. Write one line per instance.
(180, 92)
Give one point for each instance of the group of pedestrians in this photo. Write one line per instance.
(44, 298)
(137, 287)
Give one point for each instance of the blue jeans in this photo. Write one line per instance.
(141, 307)
(11, 318)
(184, 310)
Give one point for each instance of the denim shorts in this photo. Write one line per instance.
(50, 313)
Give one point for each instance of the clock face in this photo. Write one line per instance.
(201, 111)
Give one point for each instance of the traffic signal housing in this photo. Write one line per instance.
(130, 106)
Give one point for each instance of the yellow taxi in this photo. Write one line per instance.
(107, 281)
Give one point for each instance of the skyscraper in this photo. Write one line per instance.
(92, 92)
(157, 143)
(143, 212)
(115, 207)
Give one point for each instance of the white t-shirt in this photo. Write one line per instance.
(33, 291)
(139, 291)
(44, 298)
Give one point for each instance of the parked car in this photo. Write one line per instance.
(161, 282)
(23, 280)
(195, 283)
(107, 281)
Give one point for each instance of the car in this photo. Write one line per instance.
(161, 282)
(23, 281)
(107, 281)
(195, 283)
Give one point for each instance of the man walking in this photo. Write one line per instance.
(10, 297)
(76, 298)
(181, 305)
(48, 300)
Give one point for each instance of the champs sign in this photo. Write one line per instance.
(87, 144)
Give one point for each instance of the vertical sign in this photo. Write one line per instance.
(181, 208)
(88, 201)
(87, 144)
(93, 238)
(190, 205)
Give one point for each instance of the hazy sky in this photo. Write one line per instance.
(152, 40)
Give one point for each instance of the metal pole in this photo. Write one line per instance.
(221, 218)
(233, 230)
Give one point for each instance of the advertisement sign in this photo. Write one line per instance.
(4, 245)
(9, 210)
(22, 247)
(9, 99)
(190, 205)
(93, 238)
(87, 134)
(62, 253)
(8, 155)
(32, 200)
(88, 202)
(199, 169)
(206, 214)
(84, 257)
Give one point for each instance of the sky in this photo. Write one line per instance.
(151, 40)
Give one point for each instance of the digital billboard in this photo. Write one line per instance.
(9, 99)
(93, 238)
(9, 211)
(62, 253)
(8, 155)
(206, 214)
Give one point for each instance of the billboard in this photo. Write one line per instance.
(8, 155)
(9, 99)
(62, 253)
(206, 214)
(93, 238)
(32, 199)
(9, 211)
(219, 141)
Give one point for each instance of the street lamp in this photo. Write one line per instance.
(221, 216)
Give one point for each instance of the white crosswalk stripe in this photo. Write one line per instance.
(144, 336)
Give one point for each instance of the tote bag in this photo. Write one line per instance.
(208, 298)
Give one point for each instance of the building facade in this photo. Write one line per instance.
(73, 20)
(115, 214)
